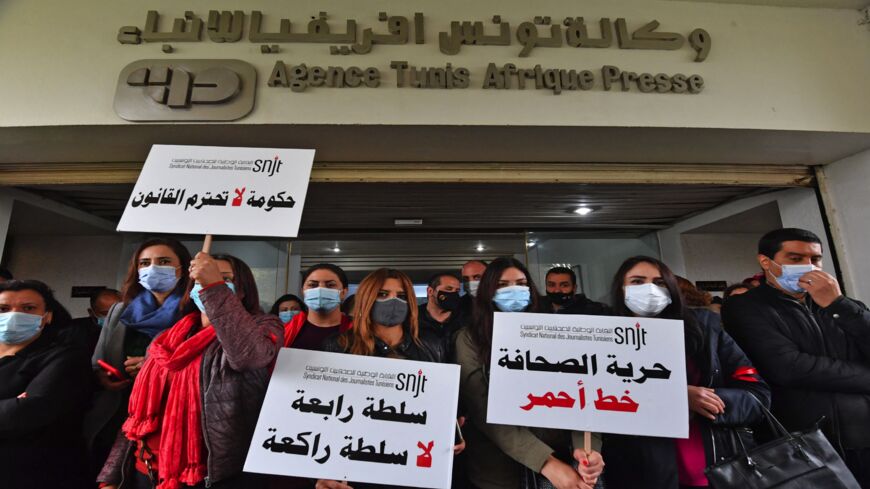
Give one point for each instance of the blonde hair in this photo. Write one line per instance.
(360, 339)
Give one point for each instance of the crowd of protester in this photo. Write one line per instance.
(160, 385)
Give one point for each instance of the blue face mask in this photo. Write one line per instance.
(194, 294)
(158, 279)
(788, 280)
(322, 300)
(287, 316)
(515, 298)
(18, 327)
(101, 321)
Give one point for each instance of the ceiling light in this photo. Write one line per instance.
(531, 243)
(336, 248)
(408, 222)
(583, 210)
(479, 247)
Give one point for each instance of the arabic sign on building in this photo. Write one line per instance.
(589, 373)
(357, 418)
(159, 99)
(220, 190)
(538, 32)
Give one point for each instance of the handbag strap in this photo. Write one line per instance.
(777, 427)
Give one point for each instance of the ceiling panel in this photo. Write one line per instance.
(374, 207)
(367, 208)
(355, 143)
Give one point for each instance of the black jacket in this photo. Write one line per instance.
(648, 462)
(41, 443)
(816, 359)
(446, 331)
(582, 305)
(430, 348)
(466, 307)
(82, 332)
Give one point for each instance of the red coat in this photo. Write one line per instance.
(292, 329)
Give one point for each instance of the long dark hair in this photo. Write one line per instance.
(243, 280)
(677, 309)
(132, 287)
(481, 326)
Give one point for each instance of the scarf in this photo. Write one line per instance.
(173, 366)
(145, 315)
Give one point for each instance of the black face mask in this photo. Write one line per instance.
(559, 298)
(449, 301)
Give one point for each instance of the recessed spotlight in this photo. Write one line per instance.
(583, 210)
(336, 248)
(479, 247)
(408, 222)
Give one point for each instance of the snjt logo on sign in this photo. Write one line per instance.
(635, 336)
(269, 167)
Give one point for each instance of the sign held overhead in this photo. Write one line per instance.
(216, 190)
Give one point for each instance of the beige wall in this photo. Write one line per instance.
(770, 67)
(798, 208)
(599, 259)
(728, 257)
(66, 261)
(847, 183)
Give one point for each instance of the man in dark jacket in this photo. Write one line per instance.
(440, 314)
(562, 296)
(85, 331)
(810, 342)
(471, 273)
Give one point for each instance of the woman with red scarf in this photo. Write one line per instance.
(196, 401)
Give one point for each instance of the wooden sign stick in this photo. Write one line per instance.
(206, 245)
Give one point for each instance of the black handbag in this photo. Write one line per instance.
(798, 460)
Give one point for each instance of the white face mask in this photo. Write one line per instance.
(646, 300)
(472, 287)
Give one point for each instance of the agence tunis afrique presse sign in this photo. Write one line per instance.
(222, 90)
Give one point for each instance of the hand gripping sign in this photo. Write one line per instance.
(357, 418)
(219, 190)
(589, 373)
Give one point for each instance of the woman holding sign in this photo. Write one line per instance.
(195, 404)
(721, 386)
(502, 456)
(324, 287)
(385, 326)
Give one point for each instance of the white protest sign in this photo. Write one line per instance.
(589, 373)
(218, 190)
(363, 419)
